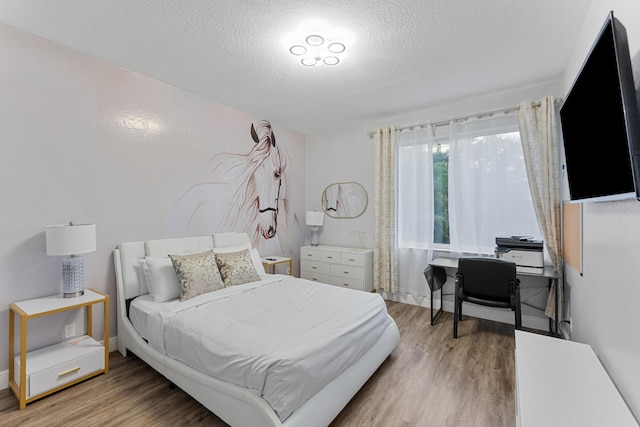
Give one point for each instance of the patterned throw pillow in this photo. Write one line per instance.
(237, 268)
(197, 273)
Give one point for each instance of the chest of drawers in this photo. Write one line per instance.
(337, 265)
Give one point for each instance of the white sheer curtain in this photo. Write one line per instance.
(385, 259)
(488, 188)
(488, 192)
(415, 224)
(537, 122)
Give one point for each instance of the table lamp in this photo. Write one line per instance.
(71, 240)
(315, 220)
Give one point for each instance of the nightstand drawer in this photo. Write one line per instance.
(347, 271)
(59, 364)
(315, 267)
(357, 260)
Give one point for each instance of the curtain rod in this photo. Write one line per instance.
(506, 110)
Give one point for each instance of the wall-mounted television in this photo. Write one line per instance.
(600, 122)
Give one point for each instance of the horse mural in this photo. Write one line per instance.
(248, 193)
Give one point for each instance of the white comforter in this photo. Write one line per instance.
(283, 337)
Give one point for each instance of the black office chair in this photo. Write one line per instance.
(486, 281)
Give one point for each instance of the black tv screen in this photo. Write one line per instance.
(600, 123)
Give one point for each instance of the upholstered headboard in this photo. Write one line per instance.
(125, 257)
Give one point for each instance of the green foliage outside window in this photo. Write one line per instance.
(441, 194)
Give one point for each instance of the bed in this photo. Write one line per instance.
(300, 349)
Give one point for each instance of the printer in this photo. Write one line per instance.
(524, 251)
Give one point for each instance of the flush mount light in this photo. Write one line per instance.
(317, 50)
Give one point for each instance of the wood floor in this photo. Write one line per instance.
(429, 380)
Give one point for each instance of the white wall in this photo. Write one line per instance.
(86, 141)
(603, 302)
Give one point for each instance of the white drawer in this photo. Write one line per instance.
(315, 267)
(312, 254)
(324, 278)
(357, 284)
(59, 364)
(357, 260)
(347, 271)
(330, 256)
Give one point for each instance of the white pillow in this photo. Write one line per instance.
(161, 278)
(255, 256)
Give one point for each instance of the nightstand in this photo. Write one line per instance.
(46, 370)
(270, 262)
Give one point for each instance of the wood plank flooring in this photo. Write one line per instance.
(429, 380)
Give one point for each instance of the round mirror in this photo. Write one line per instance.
(344, 200)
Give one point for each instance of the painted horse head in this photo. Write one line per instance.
(268, 178)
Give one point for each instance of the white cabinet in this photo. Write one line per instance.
(562, 383)
(337, 265)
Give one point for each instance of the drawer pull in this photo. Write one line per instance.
(352, 260)
(315, 279)
(70, 371)
(309, 254)
(345, 284)
(314, 268)
(329, 257)
(345, 272)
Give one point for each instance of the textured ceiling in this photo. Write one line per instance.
(401, 54)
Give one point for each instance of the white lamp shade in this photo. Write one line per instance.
(315, 218)
(66, 239)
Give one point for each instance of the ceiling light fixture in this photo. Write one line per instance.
(317, 50)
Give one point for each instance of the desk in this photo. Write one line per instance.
(548, 272)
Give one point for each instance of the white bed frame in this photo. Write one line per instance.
(235, 405)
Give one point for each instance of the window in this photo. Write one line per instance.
(461, 184)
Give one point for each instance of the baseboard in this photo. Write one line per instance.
(4, 375)
(4, 379)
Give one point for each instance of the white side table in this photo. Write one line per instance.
(44, 371)
(270, 262)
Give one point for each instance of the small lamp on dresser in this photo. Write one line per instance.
(315, 220)
(71, 240)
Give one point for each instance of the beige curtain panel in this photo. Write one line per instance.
(385, 258)
(538, 133)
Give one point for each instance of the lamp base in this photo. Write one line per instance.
(73, 277)
(73, 295)
(314, 236)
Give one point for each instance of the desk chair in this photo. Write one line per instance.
(486, 281)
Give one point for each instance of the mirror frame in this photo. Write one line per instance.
(331, 214)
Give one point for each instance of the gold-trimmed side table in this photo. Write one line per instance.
(270, 262)
(46, 370)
